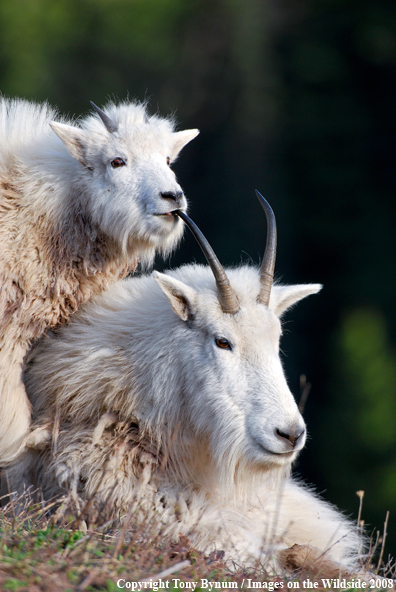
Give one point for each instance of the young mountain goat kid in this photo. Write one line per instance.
(79, 206)
(168, 389)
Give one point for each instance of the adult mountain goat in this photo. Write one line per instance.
(168, 389)
(80, 204)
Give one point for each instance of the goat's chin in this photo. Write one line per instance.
(278, 460)
(163, 233)
(268, 459)
(149, 242)
(159, 226)
(165, 224)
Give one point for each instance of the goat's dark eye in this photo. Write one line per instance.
(222, 343)
(168, 161)
(117, 162)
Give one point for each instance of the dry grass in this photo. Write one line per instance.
(60, 547)
(46, 550)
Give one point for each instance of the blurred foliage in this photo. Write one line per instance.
(370, 371)
(364, 411)
(294, 98)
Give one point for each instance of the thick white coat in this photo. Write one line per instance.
(135, 400)
(71, 223)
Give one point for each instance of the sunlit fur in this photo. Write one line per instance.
(71, 224)
(134, 401)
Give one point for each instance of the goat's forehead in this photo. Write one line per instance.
(139, 140)
(253, 320)
(257, 321)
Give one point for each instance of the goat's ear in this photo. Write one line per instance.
(73, 138)
(180, 139)
(283, 297)
(182, 298)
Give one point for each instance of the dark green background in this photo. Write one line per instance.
(298, 99)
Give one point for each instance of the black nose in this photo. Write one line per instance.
(291, 436)
(175, 196)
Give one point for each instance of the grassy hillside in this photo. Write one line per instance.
(51, 547)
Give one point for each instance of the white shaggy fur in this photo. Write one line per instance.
(141, 404)
(71, 223)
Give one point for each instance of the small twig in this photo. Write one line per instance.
(11, 502)
(383, 542)
(36, 513)
(130, 546)
(85, 539)
(87, 580)
(127, 521)
(105, 525)
(169, 571)
(360, 495)
(360, 523)
(305, 389)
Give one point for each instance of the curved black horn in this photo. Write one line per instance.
(268, 263)
(227, 297)
(109, 124)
